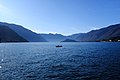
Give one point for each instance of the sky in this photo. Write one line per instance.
(60, 16)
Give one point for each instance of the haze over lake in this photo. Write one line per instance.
(73, 61)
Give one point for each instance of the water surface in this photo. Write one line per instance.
(73, 61)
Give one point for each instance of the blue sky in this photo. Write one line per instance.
(60, 16)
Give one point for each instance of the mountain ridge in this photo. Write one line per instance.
(53, 37)
(8, 35)
(93, 35)
(100, 34)
(25, 33)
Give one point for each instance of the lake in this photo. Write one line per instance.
(73, 61)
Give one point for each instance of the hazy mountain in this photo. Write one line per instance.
(53, 37)
(74, 36)
(100, 34)
(25, 33)
(94, 35)
(8, 35)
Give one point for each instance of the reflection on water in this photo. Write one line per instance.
(73, 61)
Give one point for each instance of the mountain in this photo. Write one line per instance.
(25, 33)
(8, 35)
(74, 36)
(100, 34)
(53, 37)
(69, 40)
(94, 35)
(106, 33)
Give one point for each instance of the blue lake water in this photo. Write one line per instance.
(73, 61)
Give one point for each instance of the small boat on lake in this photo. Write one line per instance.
(59, 46)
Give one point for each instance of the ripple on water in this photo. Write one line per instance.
(79, 61)
(0, 66)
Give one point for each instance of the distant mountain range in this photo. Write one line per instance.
(8, 35)
(17, 33)
(24, 33)
(54, 37)
(94, 35)
(100, 34)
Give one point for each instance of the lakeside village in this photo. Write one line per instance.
(113, 39)
(110, 41)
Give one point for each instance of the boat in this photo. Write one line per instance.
(59, 46)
